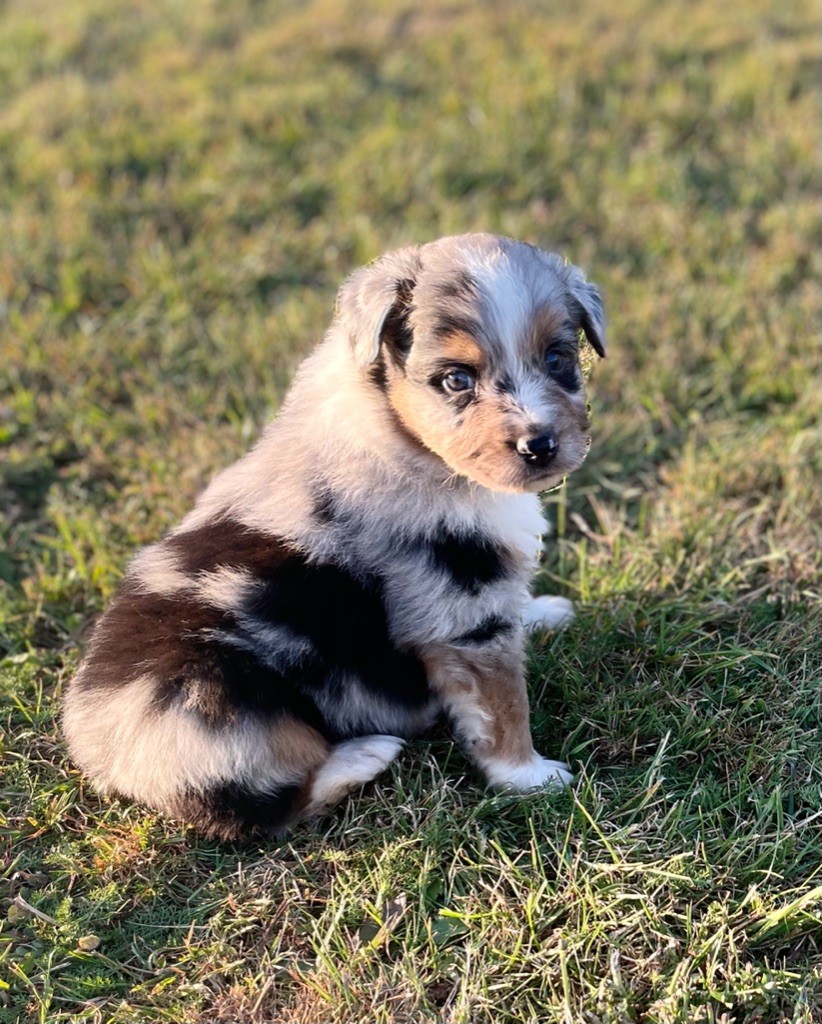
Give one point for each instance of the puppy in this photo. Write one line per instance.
(365, 568)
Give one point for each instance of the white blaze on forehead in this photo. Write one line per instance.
(515, 283)
(511, 300)
(508, 299)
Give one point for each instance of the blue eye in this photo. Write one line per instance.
(457, 381)
(562, 366)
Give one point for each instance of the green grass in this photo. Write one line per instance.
(182, 189)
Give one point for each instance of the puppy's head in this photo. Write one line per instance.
(474, 343)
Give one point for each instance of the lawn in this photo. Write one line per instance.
(183, 186)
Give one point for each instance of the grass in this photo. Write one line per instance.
(182, 188)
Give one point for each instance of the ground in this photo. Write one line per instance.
(182, 189)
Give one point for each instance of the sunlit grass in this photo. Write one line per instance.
(182, 189)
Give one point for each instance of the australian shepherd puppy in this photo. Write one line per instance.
(365, 568)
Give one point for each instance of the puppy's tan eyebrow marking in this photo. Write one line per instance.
(461, 347)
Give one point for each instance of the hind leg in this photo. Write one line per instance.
(237, 810)
(349, 765)
(244, 778)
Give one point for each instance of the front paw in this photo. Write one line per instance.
(548, 613)
(538, 773)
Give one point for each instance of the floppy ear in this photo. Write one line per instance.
(591, 313)
(377, 298)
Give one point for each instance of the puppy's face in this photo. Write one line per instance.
(477, 353)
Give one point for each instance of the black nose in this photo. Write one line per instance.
(538, 451)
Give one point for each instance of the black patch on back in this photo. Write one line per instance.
(225, 542)
(488, 629)
(344, 618)
(234, 812)
(208, 660)
(172, 639)
(144, 633)
(471, 560)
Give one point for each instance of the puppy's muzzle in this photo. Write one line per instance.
(538, 451)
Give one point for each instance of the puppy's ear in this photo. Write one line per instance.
(588, 302)
(374, 302)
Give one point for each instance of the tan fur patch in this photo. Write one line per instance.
(463, 348)
(298, 745)
(485, 694)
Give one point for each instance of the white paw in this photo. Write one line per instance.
(349, 765)
(361, 759)
(538, 773)
(548, 613)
